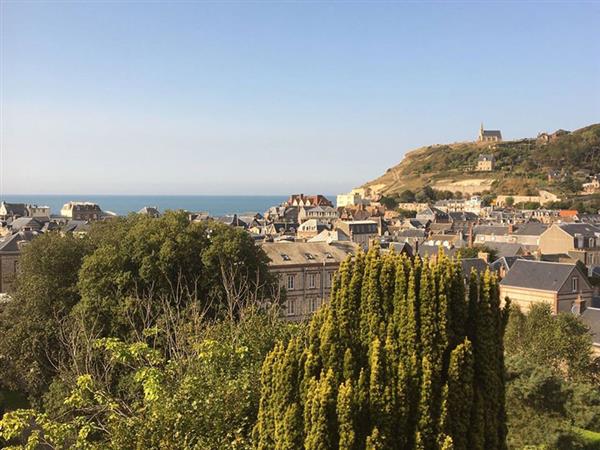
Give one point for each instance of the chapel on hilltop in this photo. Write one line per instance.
(489, 135)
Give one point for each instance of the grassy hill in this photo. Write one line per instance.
(522, 166)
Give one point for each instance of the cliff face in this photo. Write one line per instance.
(560, 162)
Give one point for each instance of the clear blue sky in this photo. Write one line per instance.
(273, 97)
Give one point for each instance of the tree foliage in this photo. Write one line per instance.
(400, 358)
(106, 279)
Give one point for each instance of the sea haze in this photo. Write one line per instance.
(216, 205)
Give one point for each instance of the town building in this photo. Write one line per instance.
(308, 200)
(542, 198)
(323, 213)
(330, 236)
(81, 211)
(562, 286)
(310, 228)
(361, 232)
(432, 214)
(16, 210)
(489, 135)
(10, 251)
(486, 163)
(352, 198)
(150, 211)
(580, 241)
(305, 271)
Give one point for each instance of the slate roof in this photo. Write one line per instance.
(401, 247)
(591, 317)
(15, 209)
(26, 222)
(302, 253)
(330, 236)
(416, 233)
(506, 248)
(467, 264)
(492, 133)
(498, 230)
(76, 226)
(462, 216)
(540, 275)
(440, 228)
(585, 229)
(589, 218)
(508, 261)
(531, 229)
(11, 243)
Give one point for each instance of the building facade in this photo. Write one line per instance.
(561, 286)
(81, 211)
(305, 271)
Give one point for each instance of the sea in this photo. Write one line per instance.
(215, 205)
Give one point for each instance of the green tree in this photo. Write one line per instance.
(421, 350)
(45, 293)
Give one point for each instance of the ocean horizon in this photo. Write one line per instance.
(215, 205)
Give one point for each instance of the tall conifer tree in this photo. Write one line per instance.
(405, 356)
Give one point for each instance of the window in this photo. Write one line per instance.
(330, 279)
(291, 307)
(285, 257)
(314, 304)
(312, 280)
(290, 282)
(574, 284)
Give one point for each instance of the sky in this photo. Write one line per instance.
(230, 97)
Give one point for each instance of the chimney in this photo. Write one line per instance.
(484, 255)
(470, 235)
(578, 306)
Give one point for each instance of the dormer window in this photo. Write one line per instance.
(309, 256)
(285, 257)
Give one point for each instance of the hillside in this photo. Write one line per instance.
(522, 166)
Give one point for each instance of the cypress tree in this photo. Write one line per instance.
(346, 416)
(402, 357)
(458, 396)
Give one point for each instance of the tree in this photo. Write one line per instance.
(108, 278)
(406, 196)
(44, 295)
(551, 383)
(389, 202)
(510, 201)
(205, 397)
(420, 352)
(473, 252)
(562, 342)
